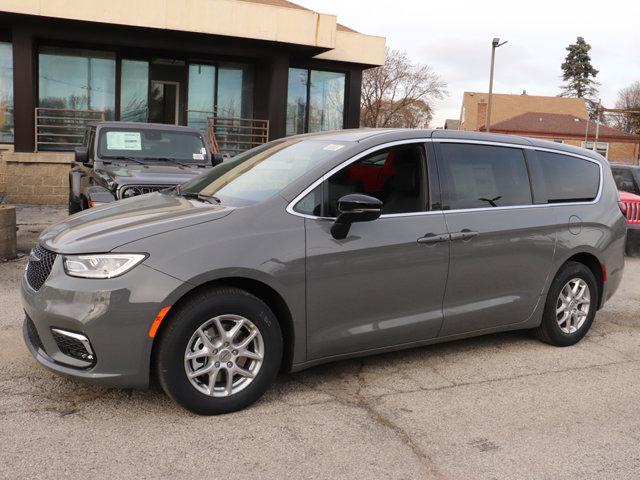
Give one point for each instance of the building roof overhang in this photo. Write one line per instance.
(248, 20)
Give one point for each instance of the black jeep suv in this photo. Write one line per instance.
(122, 160)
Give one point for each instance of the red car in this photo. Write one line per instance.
(630, 204)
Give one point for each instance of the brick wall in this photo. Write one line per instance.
(37, 178)
(504, 106)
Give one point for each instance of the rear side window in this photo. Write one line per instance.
(480, 176)
(624, 180)
(566, 178)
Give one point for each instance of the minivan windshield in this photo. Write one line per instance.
(143, 144)
(260, 173)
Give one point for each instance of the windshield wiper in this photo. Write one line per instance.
(209, 198)
(198, 196)
(133, 159)
(167, 159)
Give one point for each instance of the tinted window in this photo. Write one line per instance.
(624, 180)
(568, 179)
(477, 176)
(396, 176)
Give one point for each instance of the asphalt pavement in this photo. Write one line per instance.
(496, 407)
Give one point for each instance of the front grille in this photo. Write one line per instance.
(34, 338)
(39, 266)
(129, 191)
(73, 345)
(633, 212)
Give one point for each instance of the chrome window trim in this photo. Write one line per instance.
(290, 206)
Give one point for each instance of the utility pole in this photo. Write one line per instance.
(494, 44)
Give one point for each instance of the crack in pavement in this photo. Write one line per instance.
(356, 400)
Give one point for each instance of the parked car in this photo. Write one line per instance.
(631, 209)
(627, 177)
(121, 160)
(322, 247)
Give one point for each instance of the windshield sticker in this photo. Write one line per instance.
(198, 156)
(124, 141)
(333, 147)
(203, 151)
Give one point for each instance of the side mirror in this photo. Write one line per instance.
(353, 208)
(216, 159)
(81, 155)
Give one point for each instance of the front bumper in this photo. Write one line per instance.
(114, 314)
(633, 239)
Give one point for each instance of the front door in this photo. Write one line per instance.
(384, 283)
(164, 103)
(501, 245)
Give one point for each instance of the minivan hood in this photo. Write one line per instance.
(102, 229)
(148, 174)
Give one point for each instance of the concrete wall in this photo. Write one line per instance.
(37, 178)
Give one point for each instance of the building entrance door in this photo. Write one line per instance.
(164, 104)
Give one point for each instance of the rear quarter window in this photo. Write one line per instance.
(563, 178)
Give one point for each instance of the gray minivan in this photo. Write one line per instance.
(320, 247)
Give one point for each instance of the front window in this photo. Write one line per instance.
(315, 101)
(396, 176)
(148, 145)
(6, 93)
(262, 172)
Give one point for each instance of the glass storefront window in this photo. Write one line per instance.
(326, 101)
(6, 93)
(235, 91)
(134, 91)
(315, 101)
(201, 95)
(77, 79)
(297, 101)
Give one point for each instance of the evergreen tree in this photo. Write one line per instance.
(578, 73)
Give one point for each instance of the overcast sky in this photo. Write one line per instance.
(454, 38)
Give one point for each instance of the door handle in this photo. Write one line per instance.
(464, 234)
(431, 238)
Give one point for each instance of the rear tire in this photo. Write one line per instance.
(570, 307)
(234, 375)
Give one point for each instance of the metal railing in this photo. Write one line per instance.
(62, 129)
(233, 135)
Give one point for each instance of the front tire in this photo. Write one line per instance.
(74, 206)
(571, 306)
(219, 352)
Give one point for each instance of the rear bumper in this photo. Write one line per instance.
(114, 314)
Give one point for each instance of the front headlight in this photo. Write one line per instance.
(107, 265)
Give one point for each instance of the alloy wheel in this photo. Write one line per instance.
(572, 306)
(224, 355)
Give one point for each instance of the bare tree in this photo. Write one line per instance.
(399, 93)
(628, 99)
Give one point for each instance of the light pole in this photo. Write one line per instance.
(494, 44)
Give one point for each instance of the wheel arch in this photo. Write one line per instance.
(594, 264)
(259, 289)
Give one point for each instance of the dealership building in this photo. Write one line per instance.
(68, 62)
